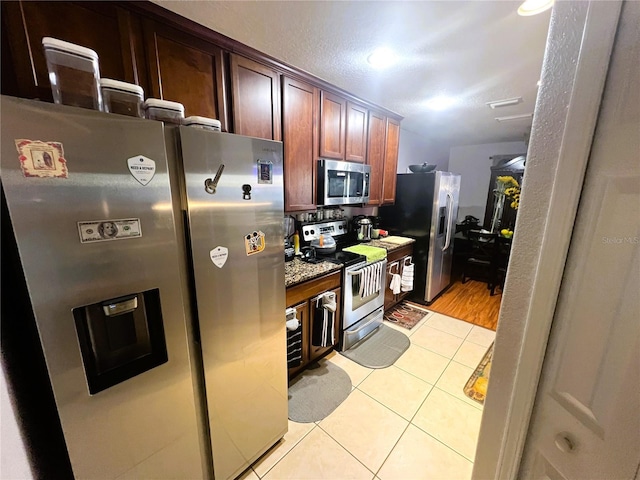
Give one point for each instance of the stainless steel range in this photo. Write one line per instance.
(363, 282)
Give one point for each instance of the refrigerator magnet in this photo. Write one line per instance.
(219, 256)
(265, 171)
(41, 159)
(105, 230)
(254, 243)
(141, 168)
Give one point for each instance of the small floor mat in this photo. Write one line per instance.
(476, 387)
(317, 392)
(380, 349)
(405, 315)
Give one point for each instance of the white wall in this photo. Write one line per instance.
(473, 163)
(415, 149)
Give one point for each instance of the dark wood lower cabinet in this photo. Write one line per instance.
(302, 297)
(396, 261)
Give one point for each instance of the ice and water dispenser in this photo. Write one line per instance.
(120, 338)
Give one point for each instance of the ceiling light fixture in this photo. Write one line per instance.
(441, 102)
(534, 7)
(505, 103)
(382, 58)
(514, 117)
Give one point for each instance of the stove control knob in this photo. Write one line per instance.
(306, 232)
(313, 232)
(339, 227)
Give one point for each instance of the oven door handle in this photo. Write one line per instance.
(374, 319)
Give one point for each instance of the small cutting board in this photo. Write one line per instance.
(396, 240)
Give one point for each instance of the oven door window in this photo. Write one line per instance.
(358, 301)
(337, 185)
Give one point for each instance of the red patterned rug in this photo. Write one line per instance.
(405, 314)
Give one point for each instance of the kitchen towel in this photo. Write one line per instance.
(373, 254)
(370, 279)
(395, 283)
(324, 326)
(407, 278)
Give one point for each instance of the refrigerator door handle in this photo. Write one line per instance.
(211, 185)
(447, 242)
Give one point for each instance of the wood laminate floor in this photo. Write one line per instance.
(470, 302)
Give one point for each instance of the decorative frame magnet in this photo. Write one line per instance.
(41, 159)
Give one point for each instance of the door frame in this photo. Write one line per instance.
(577, 54)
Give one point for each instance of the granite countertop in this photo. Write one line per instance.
(388, 245)
(296, 271)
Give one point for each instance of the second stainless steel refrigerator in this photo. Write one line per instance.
(144, 266)
(232, 205)
(426, 209)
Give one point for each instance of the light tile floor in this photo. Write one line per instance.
(408, 421)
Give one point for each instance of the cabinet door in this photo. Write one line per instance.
(100, 26)
(300, 136)
(255, 99)
(375, 155)
(316, 322)
(332, 126)
(390, 161)
(302, 314)
(356, 146)
(185, 69)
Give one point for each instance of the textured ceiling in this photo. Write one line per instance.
(476, 51)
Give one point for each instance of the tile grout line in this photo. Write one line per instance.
(288, 452)
(346, 450)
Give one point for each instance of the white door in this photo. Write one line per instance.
(586, 420)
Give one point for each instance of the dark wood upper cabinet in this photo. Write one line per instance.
(300, 103)
(356, 137)
(185, 69)
(376, 154)
(333, 115)
(391, 161)
(255, 99)
(100, 26)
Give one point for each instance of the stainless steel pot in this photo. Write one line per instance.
(364, 229)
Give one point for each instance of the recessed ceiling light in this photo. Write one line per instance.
(505, 103)
(441, 102)
(382, 58)
(514, 117)
(534, 7)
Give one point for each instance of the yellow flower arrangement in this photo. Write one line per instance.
(511, 188)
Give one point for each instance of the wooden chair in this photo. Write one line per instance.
(480, 261)
(499, 263)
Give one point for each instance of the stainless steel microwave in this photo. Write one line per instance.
(343, 183)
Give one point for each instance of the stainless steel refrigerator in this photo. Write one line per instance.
(155, 291)
(426, 209)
